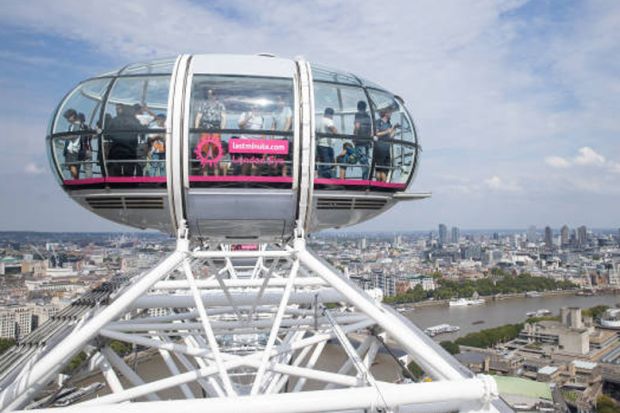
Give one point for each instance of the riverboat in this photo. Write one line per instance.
(611, 319)
(441, 329)
(538, 313)
(464, 302)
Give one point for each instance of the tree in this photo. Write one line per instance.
(605, 404)
(595, 311)
(450, 346)
(415, 370)
(5, 344)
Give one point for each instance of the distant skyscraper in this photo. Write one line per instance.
(443, 234)
(548, 237)
(456, 235)
(564, 236)
(582, 236)
(531, 234)
(398, 240)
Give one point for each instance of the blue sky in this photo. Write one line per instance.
(516, 102)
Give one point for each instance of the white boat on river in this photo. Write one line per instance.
(464, 302)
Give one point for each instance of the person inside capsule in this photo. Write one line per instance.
(362, 127)
(124, 130)
(252, 120)
(210, 114)
(72, 145)
(382, 155)
(157, 147)
(325, 152)
(283, 122)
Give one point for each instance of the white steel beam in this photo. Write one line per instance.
(174, 370)
(131, 376)
(325, 295)
(258, 380)
(429, 359)
(475, 393)
(241, 254)
(348, 364)
(215, 350)
(108, 372)
(311, 362)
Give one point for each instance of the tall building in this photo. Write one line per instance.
(443, 234)
(531, 234)
(385, 282)
(456, 235)
(582, 236)
(564, 236)
(548, 237)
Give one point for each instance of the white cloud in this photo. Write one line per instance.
(588, 156)
(496, 183)
(33, 168)
(557, 162)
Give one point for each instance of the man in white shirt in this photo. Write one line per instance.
(251, 120)
(325, 152)
(254, 121)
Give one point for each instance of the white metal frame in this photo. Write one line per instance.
(250, 336)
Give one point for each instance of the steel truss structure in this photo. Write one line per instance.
(245, 331)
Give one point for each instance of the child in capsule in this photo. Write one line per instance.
(157, 145)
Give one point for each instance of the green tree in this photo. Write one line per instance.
(415, 370)
(491, 336)
(450, 346)
(595, 311)
(75, 363)
(605, 404)
(5, 344)
(121, 348)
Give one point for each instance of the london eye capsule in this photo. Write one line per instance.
(237, 147)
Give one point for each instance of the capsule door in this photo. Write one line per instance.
(240, 137)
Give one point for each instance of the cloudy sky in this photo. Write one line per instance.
(517, 102)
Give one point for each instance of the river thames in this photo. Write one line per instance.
(497, 313)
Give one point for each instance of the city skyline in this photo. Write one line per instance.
(511, 100)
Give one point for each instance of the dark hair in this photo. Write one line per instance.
(361, 105)
(81, 117)
(160, 116)
(69, 113)
(329, 111)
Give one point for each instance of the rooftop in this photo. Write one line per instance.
(586, 365)
(523, 387)
(547, 370)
